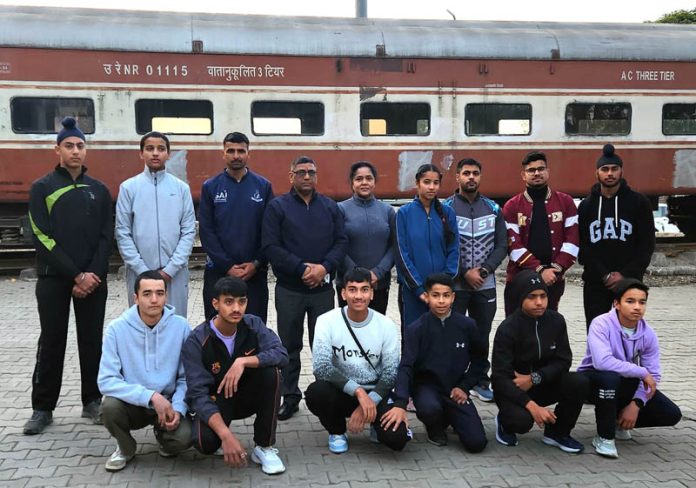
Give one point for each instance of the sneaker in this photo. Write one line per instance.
(503, 437)
(623, 435)
(338, 444)
(373, 435)
(564, 443)
(436, 435)
(268, 458)
(117, 461)
(166, 454)
(93, 411)
(38, 422)
(220, 452)
(605, 447)
(289, 408)
(483, 393)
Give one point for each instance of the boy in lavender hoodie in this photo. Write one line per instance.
(623, 364)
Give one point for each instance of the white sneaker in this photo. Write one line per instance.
(165, 454)
(117, 461)
(605, 447)
(623, 435)
(268, 458)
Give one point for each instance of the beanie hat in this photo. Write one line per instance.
(609, 156)
(69, 129)
(525, 282)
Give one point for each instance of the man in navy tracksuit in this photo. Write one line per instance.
(230, 217)
(439, 365)
(305, 241)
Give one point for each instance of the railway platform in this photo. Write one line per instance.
(72, 451)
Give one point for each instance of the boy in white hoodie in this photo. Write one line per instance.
(141, 374)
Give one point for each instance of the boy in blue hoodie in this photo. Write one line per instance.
(141, 374)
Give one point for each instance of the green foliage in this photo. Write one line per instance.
(679, 17)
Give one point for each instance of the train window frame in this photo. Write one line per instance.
(394, 107)
(86, 129)
(692, 120)
(467, 125)
(209, 114)
(629, 119)
(305, 118)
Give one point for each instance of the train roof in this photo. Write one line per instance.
(127, 30)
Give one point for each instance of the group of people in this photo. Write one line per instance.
(152, 369)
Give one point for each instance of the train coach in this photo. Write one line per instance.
(397, 92)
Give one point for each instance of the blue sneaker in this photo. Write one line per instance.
(373, 435)
(503, 437)
(564, 443)
(338, 444)
(483, 393)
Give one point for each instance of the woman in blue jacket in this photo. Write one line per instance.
(426, 243)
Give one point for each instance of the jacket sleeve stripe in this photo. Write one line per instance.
(513, 227)
(570, 248)
(516, 254)
(47, 242)
(571, 221)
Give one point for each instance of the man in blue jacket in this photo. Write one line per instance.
(305, 241)
(230, 216)
(141, 374)
(232, 373)
(155, 223)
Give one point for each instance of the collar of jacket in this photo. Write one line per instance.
(294, 193)
(529, 199)
(64, 172)
(363, 202)
(158, 174)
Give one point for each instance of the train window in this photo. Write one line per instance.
(598, 119)
(33, 115)
(679, 119)
(394, 119)
(193, 117)
(498, 119)
(287, 118)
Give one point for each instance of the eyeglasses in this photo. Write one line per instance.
(302, 173)
(538, 169)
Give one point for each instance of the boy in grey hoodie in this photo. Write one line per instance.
(141, 374)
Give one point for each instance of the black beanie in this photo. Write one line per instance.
(609, 156)
(69, 129)
(525, 282)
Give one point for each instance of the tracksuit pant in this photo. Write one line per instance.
(333, 406)
(597, 299)
(120, 418)
(437, 410)
(53, 295)
(555, 293)
(380, 299)
(610, 393)
(257, 294)
(411, 306)
(570, 392)
(291, 307)
(480, 305)
(258, 393)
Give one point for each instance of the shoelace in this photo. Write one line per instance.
(270, 449)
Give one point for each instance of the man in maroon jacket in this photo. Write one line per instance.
(542, 228)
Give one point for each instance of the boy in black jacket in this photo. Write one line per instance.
(231, 365)
(440, 363)
(531, 362)
(617, 235)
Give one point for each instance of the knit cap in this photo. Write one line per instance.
(69, 129)
(609, 156)
(525, 282)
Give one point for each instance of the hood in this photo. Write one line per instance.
(614, 321)
(150, 335)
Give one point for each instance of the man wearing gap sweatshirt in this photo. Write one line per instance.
(622, 363)
(304, 239)
(141, 374)
(617, 235)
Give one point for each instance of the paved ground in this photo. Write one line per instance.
(72, 452)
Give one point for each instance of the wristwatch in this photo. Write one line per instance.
(536, 378)
(483, 272)
(639, 403)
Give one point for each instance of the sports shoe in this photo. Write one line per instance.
(117, 461)
(564, 443)
(38, 422)
(436, 435)
(483, 393)
(268, 458)
(338, 444)
(289, 408)
(373, 435)
(605, 447)
(503, 437)
(623, 435)
(93, 411)
(166, 454)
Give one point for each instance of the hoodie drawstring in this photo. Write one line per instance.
(147, 342)
(147, 350)
(616, 211)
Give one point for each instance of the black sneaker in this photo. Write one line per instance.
(436, 435)
(564, 443)
(38, 422)
(93, 411)
(503, 437)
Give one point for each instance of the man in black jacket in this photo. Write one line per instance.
(617, 235)
(71, 217)
(531, 362)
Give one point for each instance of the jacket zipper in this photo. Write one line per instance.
(159, 247)
(536, 331)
